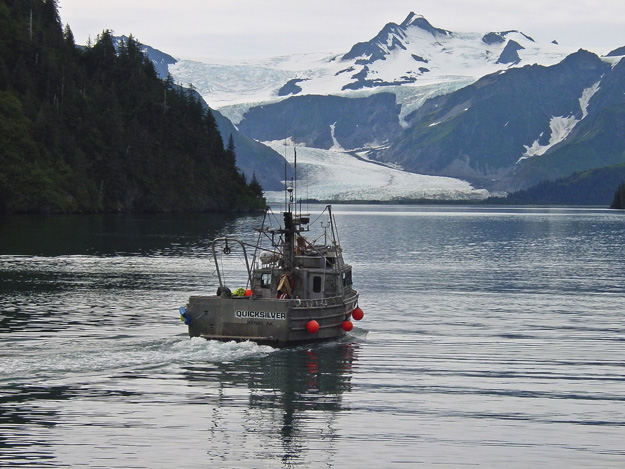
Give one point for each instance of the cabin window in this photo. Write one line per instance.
(265, 280)
(347, 278)
(316, 284)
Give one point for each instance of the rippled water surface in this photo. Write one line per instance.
(492, 337)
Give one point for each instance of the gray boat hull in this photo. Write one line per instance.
(277, 322)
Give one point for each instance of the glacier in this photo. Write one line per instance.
(348, 176)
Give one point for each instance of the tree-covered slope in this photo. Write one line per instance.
(618, 202)
(592, 187)
(97, 130)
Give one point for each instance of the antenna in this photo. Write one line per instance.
(286, 182)
(295, 171)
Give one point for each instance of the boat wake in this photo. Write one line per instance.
(122, 356)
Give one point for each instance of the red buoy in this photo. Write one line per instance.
(347, 326)
(312, 326)
(358, 314)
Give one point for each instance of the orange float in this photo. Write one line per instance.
(312, 326)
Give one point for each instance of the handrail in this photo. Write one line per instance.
(226, 251)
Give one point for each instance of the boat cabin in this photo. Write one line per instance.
(318, 272)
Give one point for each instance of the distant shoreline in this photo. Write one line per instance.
(489, 201)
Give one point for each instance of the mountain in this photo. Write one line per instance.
(618, 52)
(393, 37)
(488, 132)
(326, 121)
(496, 109)
(415, 51)
(409, 59)
(254, 158)
(512, 130)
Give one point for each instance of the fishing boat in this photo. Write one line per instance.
(296, 287)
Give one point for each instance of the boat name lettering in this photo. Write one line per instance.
(260, 315)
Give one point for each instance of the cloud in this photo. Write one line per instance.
(253, 28)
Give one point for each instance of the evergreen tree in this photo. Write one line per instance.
(619, 197)
(255, 187)
(231, 150)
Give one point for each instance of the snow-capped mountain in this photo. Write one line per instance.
(414, 59)
(416, 52)
(415, 97)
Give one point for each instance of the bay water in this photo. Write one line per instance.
(492, 337)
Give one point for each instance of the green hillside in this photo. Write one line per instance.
(95, 129)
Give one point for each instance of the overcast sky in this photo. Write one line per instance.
(205, 29)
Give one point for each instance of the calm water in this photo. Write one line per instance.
(492, 337)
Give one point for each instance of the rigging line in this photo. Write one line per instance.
(335, 232)
(260, 234)
(275, 217)
(319, 216)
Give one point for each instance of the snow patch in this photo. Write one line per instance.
(587, 94)
(336, 146)
(561, 127)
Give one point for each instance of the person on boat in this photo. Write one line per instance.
(285, 287)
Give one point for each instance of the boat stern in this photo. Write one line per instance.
(214, 317)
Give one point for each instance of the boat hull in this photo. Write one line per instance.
(277, 322)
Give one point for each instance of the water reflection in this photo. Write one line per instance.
(69, 272)
(108, 235)
(293, 395)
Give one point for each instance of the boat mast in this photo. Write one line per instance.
(289, 226)
(289, 238)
